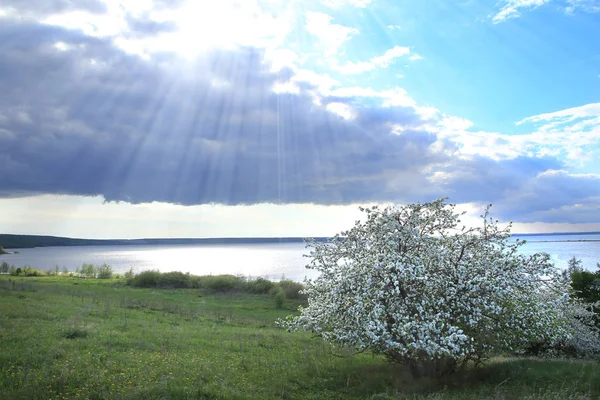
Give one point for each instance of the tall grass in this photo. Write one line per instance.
(71, 338)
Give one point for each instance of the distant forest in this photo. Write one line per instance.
(30, 241)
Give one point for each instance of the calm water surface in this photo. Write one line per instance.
(272, 261)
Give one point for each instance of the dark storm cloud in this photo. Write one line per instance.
(89, 119)
(130, 130)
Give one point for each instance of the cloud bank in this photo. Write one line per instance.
(106, 107)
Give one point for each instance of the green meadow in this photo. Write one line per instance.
(74, 338)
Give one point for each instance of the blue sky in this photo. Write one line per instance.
(158, 118)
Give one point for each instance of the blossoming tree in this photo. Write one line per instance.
(412, 284)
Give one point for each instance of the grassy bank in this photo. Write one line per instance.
(90, 338)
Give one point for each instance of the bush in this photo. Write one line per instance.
(586, 285)
(411, 284)
(292, 289)
(146, 279)
(15, 271)
(259, 286)
(129, 275)
(222, 283)
(104, 272)
(4, 267)
(279, 299)
(174, 280)
(87, 271)
(28, 271)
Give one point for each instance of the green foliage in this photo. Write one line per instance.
(129, 274)
(279, 299)
(174, 280)
(87, 271)
(104, 271)
(221, 283)
(214, 283)
(75, 333)
(259, 286)
(292, 289)
(28, 271)
(4, 267)
(15, 271)
(146, 279)
(586, 285)
(99, 339)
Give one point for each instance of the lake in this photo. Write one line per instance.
(271, 261)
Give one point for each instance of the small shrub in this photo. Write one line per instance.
(129, 274)
(259, 286)
(279, 299)
(292, 289)
(87, 271)
(174, 280)
(104, 272)
(15, 271)
(146, 279)
(75, 333)
(28, 271)
(4, 268)
(222, 283)
(195, 281)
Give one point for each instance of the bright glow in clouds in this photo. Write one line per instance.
(198, 26)
(90, 217)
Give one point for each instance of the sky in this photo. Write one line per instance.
(194, 118)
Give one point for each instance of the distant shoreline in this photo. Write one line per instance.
(9, 241)
(32, 241)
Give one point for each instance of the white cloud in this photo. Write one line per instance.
(383, 61)
(394, 27)
(199, 26)
(455, 123)
(511, 8)
(589, 113)
(342, 3)
(585, 5)
(280, 58)
(573, 133)
(415, 57)
(331, 36)
(396, 97)
(343, 110)
(106, 25)
(322, 82)
(563, 173)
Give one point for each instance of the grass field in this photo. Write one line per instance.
(63, 338)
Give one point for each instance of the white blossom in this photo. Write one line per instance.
(411, 284)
